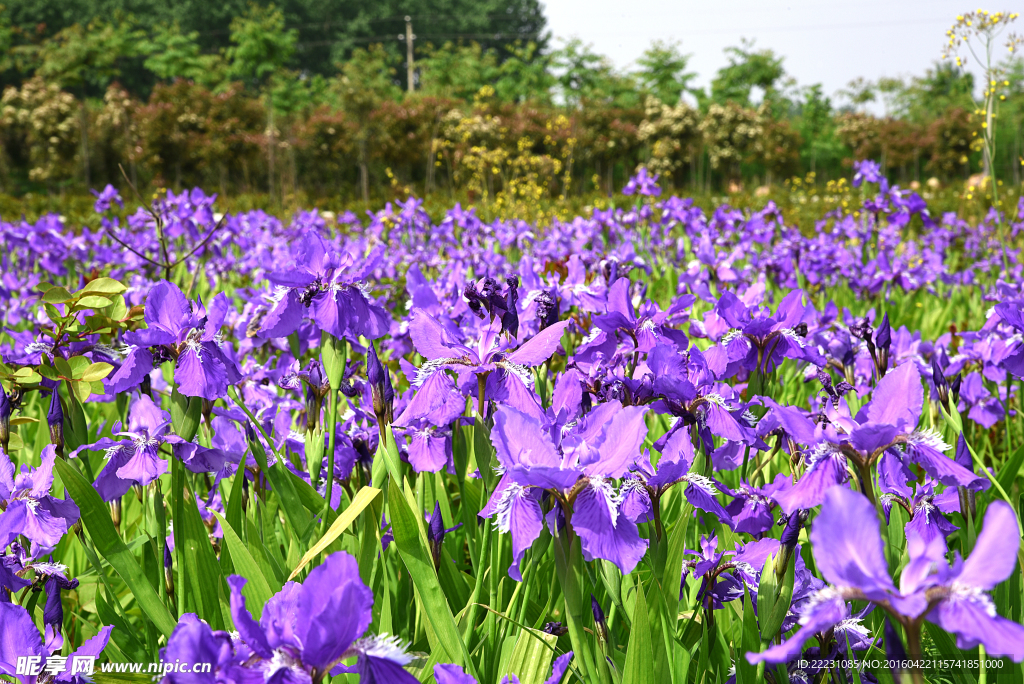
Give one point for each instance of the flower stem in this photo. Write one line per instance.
(914, 650)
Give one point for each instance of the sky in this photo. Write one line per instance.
(830, 42)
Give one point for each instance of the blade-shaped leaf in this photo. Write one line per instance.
(257, 590)
(640, 652)
(363, 499)
(96, 518)
(412, 547)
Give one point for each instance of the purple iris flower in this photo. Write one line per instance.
(647, 327)
(184, 332)
(676, 461)
(757, 339)
(306, 630)
(53, 576)
(751, 508)
(105, 198)
(642, 182)
(1012, 313)
(325, 286)
(29, 509)
(21, 639)
(885, 434)
(925, 509)
(492, 356)
(717, 586)
(135, 458)
(680, 382)
(868, 171)
(851, 558)
(576, 463)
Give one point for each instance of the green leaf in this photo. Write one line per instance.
(234, 508)
(185, 414)
(96, 518)
(571, 571)
(946, 648)
(26, 375)
(363, 499)
(750, 642)
(640, 652)
(531, 657)
(63, 367)
(766, 593)
(92, 302)
(257, 590)
(334, 355)
(81, 389)
(674, 564)
(783, 596)
(96, 372)
(1008, 473)
(411, 544)
(268, 565)
(192, 544)
(104, 286)
(57, 295)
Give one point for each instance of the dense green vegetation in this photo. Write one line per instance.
(311, 100)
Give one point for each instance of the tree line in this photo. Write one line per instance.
(245, 98)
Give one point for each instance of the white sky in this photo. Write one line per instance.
(829, 42)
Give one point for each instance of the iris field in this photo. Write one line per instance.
(650, 444)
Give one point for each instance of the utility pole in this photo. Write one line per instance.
(410, 66)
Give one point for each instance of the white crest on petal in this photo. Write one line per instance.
(281, 660)
(701, 482)
(966, 592)
(791, 335)
(503, 509)
(820, 452)
(826, 595)
(929, 438)
(604, 489)
(383, 646)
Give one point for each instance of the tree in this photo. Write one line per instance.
(262, 47)
(816, 124)
(91, 56)
(525, 75)
(328, 31)
(366, 80)
(582, 74)
(172, 54)
(261, 44)
(457, 70)
(747, 69)
(663, 72)
(858, 92)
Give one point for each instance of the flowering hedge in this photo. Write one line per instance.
(185, 135)
(645, 445)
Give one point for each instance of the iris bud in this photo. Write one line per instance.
(941, 385)
(168, 571)
(6, 409)
(600, 625)
(790, 537)
(381, 392)
(55, 419)
(435, 534)
(883, 342)
(115, 512)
